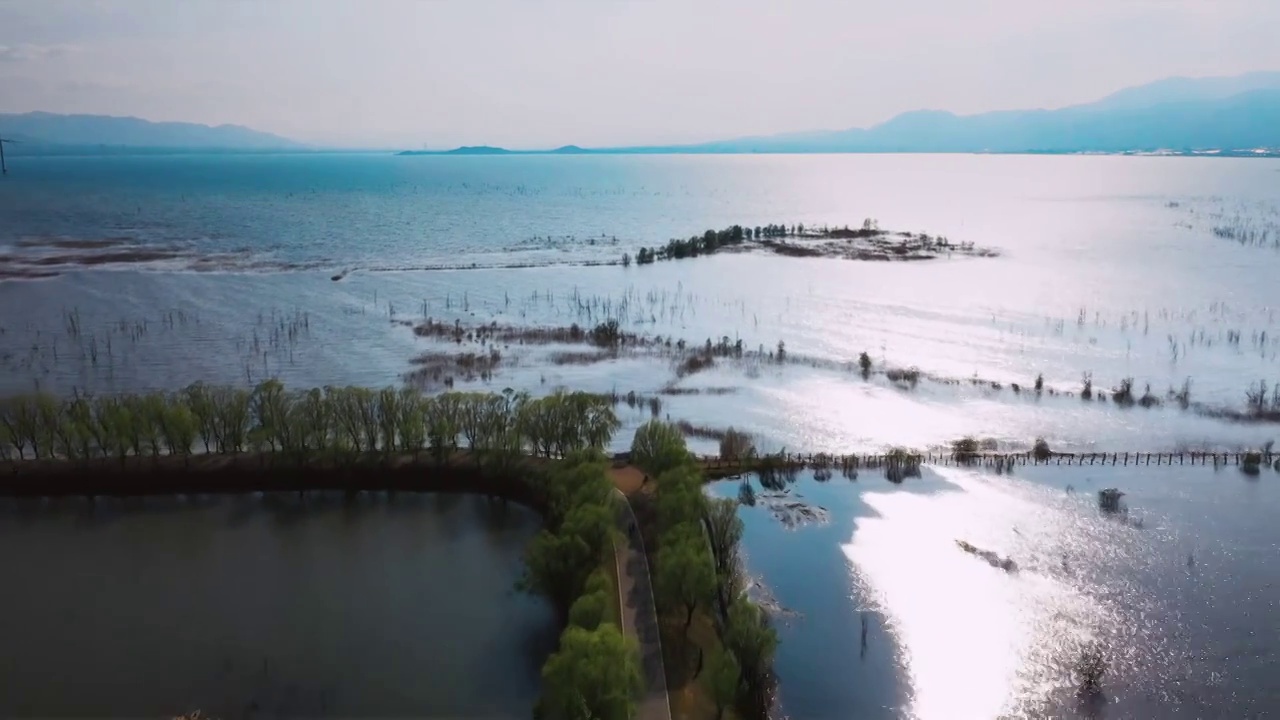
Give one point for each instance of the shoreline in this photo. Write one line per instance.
(245, 473)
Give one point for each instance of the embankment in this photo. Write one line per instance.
(265, 472)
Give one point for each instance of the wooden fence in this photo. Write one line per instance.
(717, 465)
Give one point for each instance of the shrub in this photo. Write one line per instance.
(964, 449)
(864, 364)
(1041, 450)
(901, 464)
(1123, 395)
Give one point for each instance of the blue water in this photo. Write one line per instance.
(1111, 266)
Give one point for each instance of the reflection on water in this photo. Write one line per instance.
(978, 641)
(256, 607)
(974, 641)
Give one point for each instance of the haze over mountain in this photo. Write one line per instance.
(48, 132)
(1183, 114)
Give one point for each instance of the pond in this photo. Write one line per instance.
(259, 606)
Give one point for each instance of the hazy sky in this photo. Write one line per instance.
(541, 73)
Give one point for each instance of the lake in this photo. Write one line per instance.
(1158, 270)
(269, 607)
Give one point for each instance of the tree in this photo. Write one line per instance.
(658, 447)
(736, 445)
(270, 407)
(178, 426)
(595, 675)
(685, 576)
(724, 677)
(587, 612)
(198, 399)
(580, 480)
(753, 642)
(724, 533)
(412, 421)
(558, 564)
(679, 500)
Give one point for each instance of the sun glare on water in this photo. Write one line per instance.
(977, 641)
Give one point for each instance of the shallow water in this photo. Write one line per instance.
(1111, 266)
(1183, 605)
(269, 607)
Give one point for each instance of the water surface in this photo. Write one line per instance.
(268, 607)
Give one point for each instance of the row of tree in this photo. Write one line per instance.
(711, 241)
(697, 568)
(595, 672)
(330, 421)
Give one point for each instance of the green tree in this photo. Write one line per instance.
(658, 447)
(580, 480)
(679, 500)
(557, 564)
(388, 419)
(179, 427)
(412, 421)
(270, 407)
(587, 612)
(595, 675)
(724, 533)
(26, 426)
(201, 404)
(685, 577)
(724, 678)
(753, 642)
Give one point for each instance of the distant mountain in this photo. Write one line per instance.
(41, 130)
(1180, 114)
(491, 150)
(1183, 89)
(1230, 114)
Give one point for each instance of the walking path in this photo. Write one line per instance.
(639, 616)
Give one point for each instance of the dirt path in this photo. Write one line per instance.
(639, 616)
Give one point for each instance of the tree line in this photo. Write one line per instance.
(697, 569)
(696, 573)
(595, 672)
(328, 422)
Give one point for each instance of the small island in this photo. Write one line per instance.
(868, 242)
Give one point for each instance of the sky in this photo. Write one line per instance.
(544, 73)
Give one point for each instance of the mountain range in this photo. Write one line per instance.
(1236, 115)
(1232, 115)
(42, 132)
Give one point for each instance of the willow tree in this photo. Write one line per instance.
(412, 421)
(658, 446)
(197, 398)
(271, 406)
(594, 675)
(684, 575)
(179, 426)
